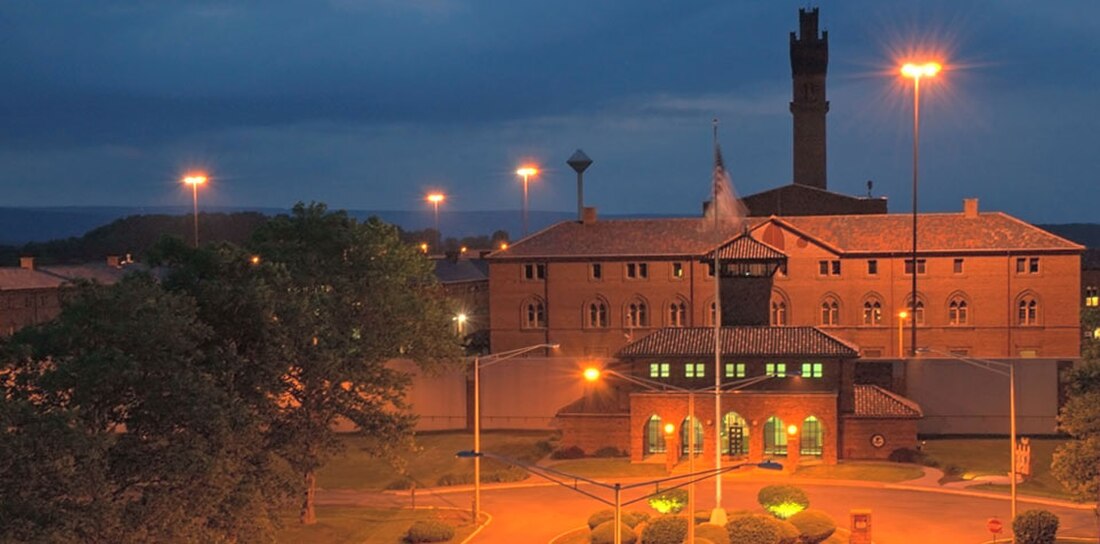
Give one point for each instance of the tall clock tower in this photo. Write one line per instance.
(809, 64)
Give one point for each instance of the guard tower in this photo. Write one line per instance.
(809, 64)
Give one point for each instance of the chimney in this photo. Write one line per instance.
(970, 208)
(589, 216)
(26, 263)
(580, 162)
(113, 261)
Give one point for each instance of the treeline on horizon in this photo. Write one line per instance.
(134, 235)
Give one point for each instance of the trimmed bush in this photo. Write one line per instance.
(761, 529)
(404, 482)
(572, 452)
(429, 531)
(714, 533)
(511, 474)
(782, 501)
(788, 534)
(609, 451)
(604, 533)
(1035, 527)
(814, 526)
(669, 502)
(630, 518)
(666, 530)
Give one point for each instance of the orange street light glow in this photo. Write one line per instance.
(903, 314)
(504, 245)
(669, 428)
(195, 180)
(436, 198)
(591, 374)
(917, 71)
(792, 430)
(424, 247)
(255, 259)
(527, 171)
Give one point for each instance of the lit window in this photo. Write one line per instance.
(597, 315)
(872, 312)
(830, 312)
(1092, 296)
(534, 315)
(777, 370)
(735, 370)
(658, 370)
(695, 370)
(677, 314)
(677, 270)
(921, 266)
(1027, 312)
(812, 370)
(958, 313)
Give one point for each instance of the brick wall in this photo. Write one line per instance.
(592, 432)
(857, 433)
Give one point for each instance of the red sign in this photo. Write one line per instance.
(994, 525)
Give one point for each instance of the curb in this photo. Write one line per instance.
(566, 533)
(488, 520)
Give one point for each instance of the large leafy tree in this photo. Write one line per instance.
(116, 426)
(351, 297)
(1077, 463)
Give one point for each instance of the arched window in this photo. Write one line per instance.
(654, 436)
(534, 314)
(684, 426)
(734, 427)
(958, 311)
(677, 313)
(711, 313)
(813, 437)
(1027, 311)
(916, 312)
(779, 313)
(775, 437)
(872, 312)
(830, 311)
(596, 315)
(636, 315)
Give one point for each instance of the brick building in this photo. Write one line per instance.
(31, 294)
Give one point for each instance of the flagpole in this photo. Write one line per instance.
(718, 516)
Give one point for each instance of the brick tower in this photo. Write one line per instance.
(809, 63)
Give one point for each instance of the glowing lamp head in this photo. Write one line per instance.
(197, 179)
(591, 374)
(504, 245)
(255, 259)
(461, 318)
(436, 198)
(917, 71)
(669, 428)
(903, 314)
(527, 171)
(792, 430)
(424, 247)
(463, 249)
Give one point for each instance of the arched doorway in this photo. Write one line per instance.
(684, 435)
(735, 428)
(653, 440)
(813, 437)
(775, 437)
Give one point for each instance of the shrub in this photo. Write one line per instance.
(1035, 527)
(782, 501)
(404, 482)
(609, 451)
(511, 474)
(788, 534)
(572, 452)
(632, 519)
(666, 530)
(753, 529)
(604, 533)
(669, 502)
(906, 455)
(814, 526)
(429, 531)
(714, 533)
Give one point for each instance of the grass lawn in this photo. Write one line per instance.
(433, 458)
(966, 458)
(869, 471)
(348, 525)
(611, 467)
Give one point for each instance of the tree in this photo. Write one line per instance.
(1076, 464)
(351, 297)
(117, 427)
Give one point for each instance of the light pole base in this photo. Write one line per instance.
(718, 517)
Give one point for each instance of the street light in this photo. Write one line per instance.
(916, 72)
(478, 364)
(194, 181)
(460, 322)
(592, 374)
(435, 199)
(901, 332)
(1003, 369)
(526, 172)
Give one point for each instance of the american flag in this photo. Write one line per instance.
(725, 203)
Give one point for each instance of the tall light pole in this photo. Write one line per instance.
(194, 181)
(593, 374)
(479, 363)
(1003, 369)
(435, 199)
(901, 333)
(526, 172)
(916, 72)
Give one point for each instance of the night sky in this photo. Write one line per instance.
(367, 104)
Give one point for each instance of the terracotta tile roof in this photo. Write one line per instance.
(100, 273)
(747, 248)
(874, 401)
(740, 341)
(12, 278)
(993, 231)
(618, 237)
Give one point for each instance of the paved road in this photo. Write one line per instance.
(532, 514)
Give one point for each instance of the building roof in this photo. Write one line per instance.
(747, 248)
(99, 273)
(740, 342)
(13, 278)
(936, 232)
(619, 238)
(873, 401)
(461, 270)
(611, 400)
